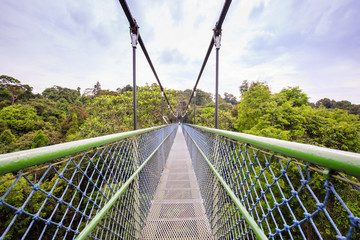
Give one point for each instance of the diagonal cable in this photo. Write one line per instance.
(132, 23)
(217, 30)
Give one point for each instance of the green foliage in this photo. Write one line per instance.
(81, 115)
(63, 115)
(206, 117)
(345, 105)
(7, 137)
(48, 112)
(13, 88)
(3, 125)
(127, 88)
(24, 142)
(40, 140)
(295, 96)
(252, 105)
(56, 93)
(230, 98)
(203, 98)
(20, 118)
(286, 115)
(74, 130)
(111, 114)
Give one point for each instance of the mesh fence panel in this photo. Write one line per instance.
(288, 199)
(58, 200)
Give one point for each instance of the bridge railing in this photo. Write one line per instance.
(256, 187)
(99, 188)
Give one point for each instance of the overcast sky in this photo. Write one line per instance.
(311, 44)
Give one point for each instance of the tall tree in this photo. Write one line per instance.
(97, 88)
(20, 118)
(230, 98)
(56, 92)
(40, 140)
(14, 87)
(295, 96)
(127, 88)
(244, 87)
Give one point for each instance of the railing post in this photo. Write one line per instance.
(217, 39)
(134, 34)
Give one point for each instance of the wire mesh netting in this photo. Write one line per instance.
(58, 200)
(177, 211)
(287, 198)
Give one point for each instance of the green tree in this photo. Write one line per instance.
(203, 98)
(108, 92)
(206, 117)
(13, 87)
(7, 137)
(244, 87)
(345, 105)
(40, 140)
(295, 96)
(252, 106)
(127, 88)
(56, 93)
(48, 111)
(97, 88)
(20, 118)
(230, 98)
(288, 116)
(81, 115)
(326, 102)
(75, 127)
(111, 114)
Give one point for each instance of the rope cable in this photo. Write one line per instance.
(133, 24)
(217, 31)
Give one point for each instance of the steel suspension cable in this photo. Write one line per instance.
(133, 24)
(217, 31)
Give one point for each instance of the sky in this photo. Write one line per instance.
(311, 44)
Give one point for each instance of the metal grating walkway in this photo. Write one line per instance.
(177, 211)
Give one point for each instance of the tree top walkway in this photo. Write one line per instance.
(138, 185)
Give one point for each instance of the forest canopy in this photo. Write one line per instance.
(60, 114)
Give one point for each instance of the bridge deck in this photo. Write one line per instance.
(177, 211)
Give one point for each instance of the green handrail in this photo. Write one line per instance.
(11, 162)
(101, 214)
(338, 160)
(247, 216)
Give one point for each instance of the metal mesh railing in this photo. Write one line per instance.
(251, 192)
(58, 200)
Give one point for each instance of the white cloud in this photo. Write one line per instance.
(311, 44)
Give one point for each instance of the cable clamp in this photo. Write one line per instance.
(134, 34)
(217, 36)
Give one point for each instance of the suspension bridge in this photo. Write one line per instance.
(180, 181)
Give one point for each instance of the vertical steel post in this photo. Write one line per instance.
(217, 39)
(217, 88)
(162, 107)
(134, 34)
(194, 105)
(134, 87)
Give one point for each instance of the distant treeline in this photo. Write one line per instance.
(60, 114)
